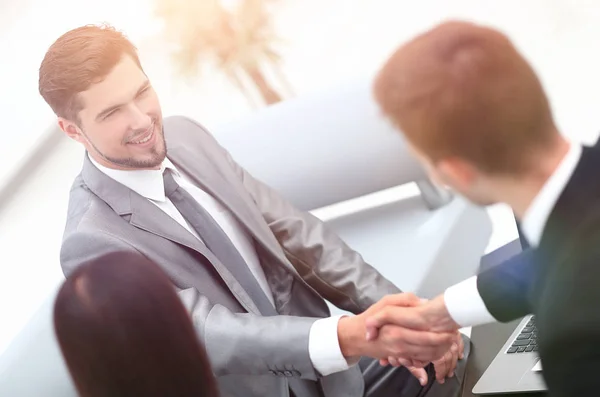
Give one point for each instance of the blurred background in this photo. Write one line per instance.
(216, 60)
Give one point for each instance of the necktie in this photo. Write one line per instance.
(217, 241)
(220, 245)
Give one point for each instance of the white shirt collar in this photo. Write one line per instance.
(536, 216)
(147, 183)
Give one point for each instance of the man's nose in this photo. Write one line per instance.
(140, 121)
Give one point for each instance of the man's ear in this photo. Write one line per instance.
(71, 129)
(457, 172)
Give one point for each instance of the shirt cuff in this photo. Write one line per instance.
(324, 347)
(465, 305)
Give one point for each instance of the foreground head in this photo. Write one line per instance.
(123, 331)
(469, 105)
(93, 80)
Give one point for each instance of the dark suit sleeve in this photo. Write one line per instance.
(571, 327)
(572, 362)
(505, 288)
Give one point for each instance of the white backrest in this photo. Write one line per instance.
(33, 365)
(323, 148)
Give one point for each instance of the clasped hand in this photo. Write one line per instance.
(404, 330)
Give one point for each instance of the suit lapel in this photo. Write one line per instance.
(209, 178)
(148, 217)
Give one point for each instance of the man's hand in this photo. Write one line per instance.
(430, 316)
(392, 341)
(444, 367)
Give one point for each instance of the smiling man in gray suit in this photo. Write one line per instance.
(252, 270)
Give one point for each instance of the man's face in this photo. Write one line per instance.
(459, 176)
(120, 124)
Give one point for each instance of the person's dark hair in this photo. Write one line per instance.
(123, 331)
(76, 60)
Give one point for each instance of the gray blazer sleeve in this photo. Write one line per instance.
(236, 343)
(325, 262)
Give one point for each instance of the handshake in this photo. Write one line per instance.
(404, 330)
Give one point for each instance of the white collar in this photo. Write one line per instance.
(536, 216)
(147, 183)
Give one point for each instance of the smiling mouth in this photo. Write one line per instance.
(145, 138)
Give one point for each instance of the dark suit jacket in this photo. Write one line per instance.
(559, 282)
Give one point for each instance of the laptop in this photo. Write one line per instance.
(517, 367)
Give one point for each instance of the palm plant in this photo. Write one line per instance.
(239, 41)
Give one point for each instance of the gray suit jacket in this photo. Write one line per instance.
(305, 263)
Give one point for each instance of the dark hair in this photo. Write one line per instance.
(123, 331)
(76, 60)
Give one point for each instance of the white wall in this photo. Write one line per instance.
(30, 235)
(327, 42)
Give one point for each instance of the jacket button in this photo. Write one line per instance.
(288, 373)
(273, 372)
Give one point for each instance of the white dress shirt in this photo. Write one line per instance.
(323, 343)
(463, 301)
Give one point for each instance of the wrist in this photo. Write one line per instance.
(439, 317)
(350, 337)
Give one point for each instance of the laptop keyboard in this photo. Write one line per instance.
(526, 341)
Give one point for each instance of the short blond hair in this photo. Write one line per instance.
(463, 90)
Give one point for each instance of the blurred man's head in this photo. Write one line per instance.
(469, 105)
(93, 80)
